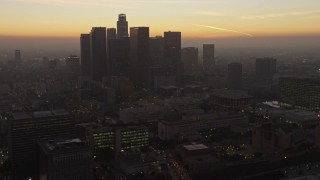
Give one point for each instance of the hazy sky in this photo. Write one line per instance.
(195, 18)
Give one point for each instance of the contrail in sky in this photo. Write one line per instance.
(228, 30)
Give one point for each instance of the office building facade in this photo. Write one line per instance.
(119, 56)
(208, 56)
(189, 56)
(104, 140)
(140, 55)
(234, 76)
(111, 35)
(85, 54)
(156, 50)
(172, 52)
(302, 93)
(132, 137)
(73, 64)
(266, 69)
(25, 129)
(64, 159)
(98, 53)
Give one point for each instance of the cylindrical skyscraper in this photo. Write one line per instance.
(122, 26)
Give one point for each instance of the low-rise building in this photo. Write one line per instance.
(110, 139)
(25, 129)
(203, 164)
(64, 159)
(132, 164)
(132, 137)
(226, 99)
(142, 114)
(170, 129)
(197, 158)
(302, 118)
(277, 137)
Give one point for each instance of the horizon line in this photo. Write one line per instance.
(266, 35)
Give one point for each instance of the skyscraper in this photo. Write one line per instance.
(111, 34)
(156, 50)
(98, 52)
(265, 69)
(17, 55)
(85, 54)
(234, 76)
(172, 52)
(122, 26)
(140, 55)
(189, 56)
(119, 56)
(208, 56)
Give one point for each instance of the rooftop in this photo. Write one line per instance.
(315, 79)
(193, 147)
(168, 87)
(19, 116)
(60, 112)
(39, 114)
(194, 117)
(231, 94)
(51, 146)
(299, 112)
(202, 159)
(273, 104)
(287, 128)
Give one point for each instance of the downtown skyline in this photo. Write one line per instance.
(195, 19)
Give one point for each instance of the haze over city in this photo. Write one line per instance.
(57, 23)
(159, 90)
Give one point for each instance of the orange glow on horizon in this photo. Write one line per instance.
(194, 18)
(185, 33)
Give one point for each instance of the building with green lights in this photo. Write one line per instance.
(110, 139)
(302, 93)
(102, 140)
(26, 129)
(132, 137)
